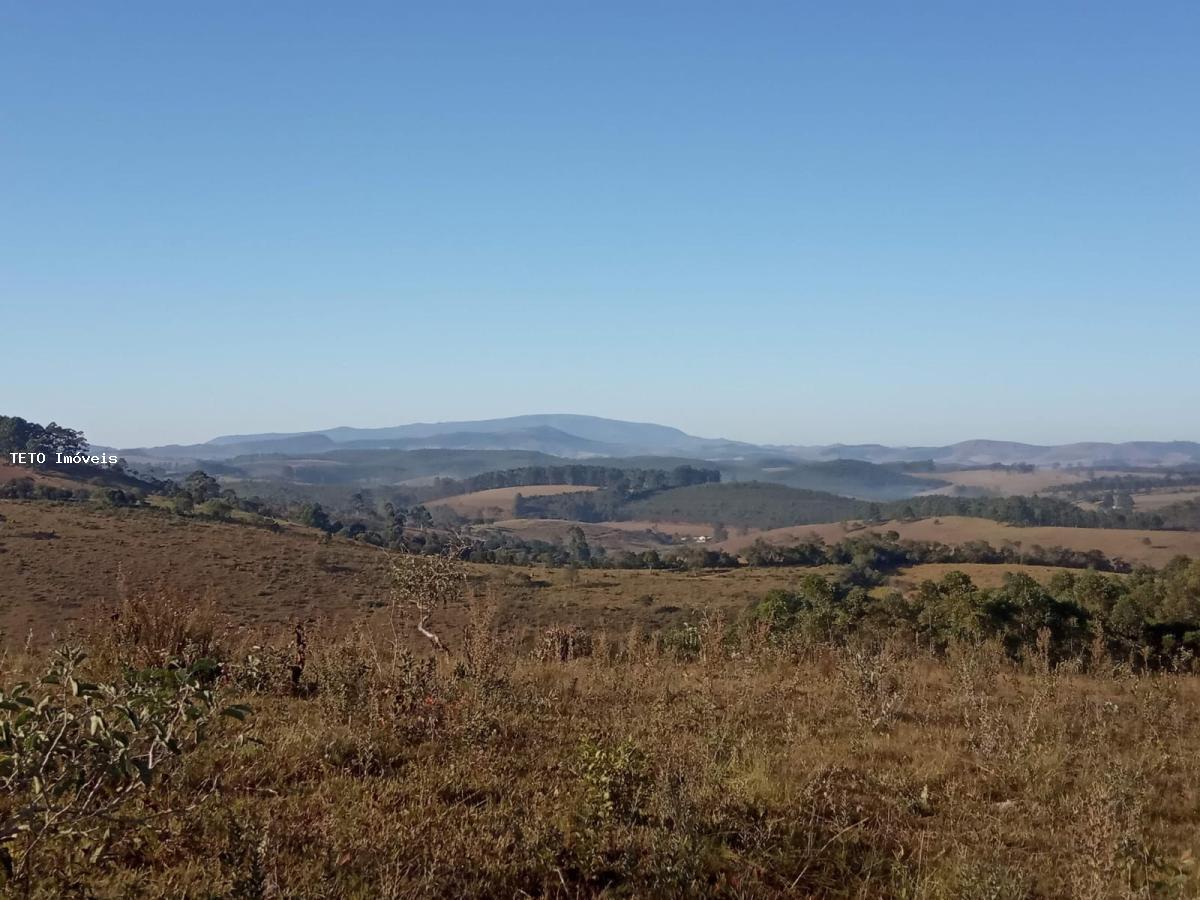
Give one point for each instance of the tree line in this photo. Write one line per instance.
(1149, 618)
(620, 479)
(885, 553)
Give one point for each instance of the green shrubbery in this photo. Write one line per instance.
(1149, 617)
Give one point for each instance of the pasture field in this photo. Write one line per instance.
(1153, 501)
(59, 562)
(497, 503)
(742, 768)
(1154, 548)
(1006, 483)
(675, 529)
(640, 534)
(609, 535)
(573, 740)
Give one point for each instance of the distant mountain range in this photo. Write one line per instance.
(983, 453)
(586, 437)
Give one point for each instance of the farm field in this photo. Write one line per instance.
(497, 503)
(1153, 548)
(1007, 483)
(1153, 501)
(632, 535)
(675, 529)
(608, 535)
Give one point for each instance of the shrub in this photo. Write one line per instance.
(76, 753)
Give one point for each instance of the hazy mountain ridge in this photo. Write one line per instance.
(991, 452)
(583, 437)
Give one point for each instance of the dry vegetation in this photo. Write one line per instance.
(731, 763)
(584, 732)
(1153, 548)
(57, 560)
(641, 534)
(1011, 483)
(609, 535)
(9, 472)
(1153, 501)
(674, 529)
(497, 503)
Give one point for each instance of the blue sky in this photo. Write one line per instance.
(786, 222)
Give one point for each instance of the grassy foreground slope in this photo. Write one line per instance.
(60, 562)
(736, 765)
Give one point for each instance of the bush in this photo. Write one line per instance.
(77, 754)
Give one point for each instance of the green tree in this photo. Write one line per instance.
(312, 515)
(577, 545)
(201, 486)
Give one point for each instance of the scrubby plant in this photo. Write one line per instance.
(564, 643)
(77, 754)
(424, 584)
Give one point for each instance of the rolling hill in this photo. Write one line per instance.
(847, 477)
(747, 504)
(578, 437)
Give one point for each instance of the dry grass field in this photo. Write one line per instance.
(573, 741)
(1150, 547)
(58, 561)
(1153, 501)
(751, 768)
(631, 535)
(497, 503)
(675, 529)
(599, 534)
(1004, 483)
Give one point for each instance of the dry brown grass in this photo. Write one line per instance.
(675, 529)
(757, 770)
(1004, 483)
(497, 503)
(1152, 501)
(58, 560)
(610, 536)
(40, 476)
(576, 741)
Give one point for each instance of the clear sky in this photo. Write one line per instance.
(786, 222)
